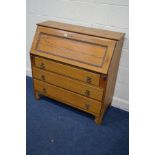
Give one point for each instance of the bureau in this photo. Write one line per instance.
(76, 65)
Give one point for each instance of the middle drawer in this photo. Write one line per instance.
(69, 84)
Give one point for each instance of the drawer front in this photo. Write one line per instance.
(70, 98)
(73, 72)
(68, 83)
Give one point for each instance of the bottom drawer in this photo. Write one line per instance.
(65, 96)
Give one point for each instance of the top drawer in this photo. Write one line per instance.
(66, 70)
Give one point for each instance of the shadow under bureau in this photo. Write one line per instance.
(76, 65)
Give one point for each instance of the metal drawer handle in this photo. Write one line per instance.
(44, 90)
(89, 80)
(87, 106)
(87, 93)
(43, 77)
(42, 66)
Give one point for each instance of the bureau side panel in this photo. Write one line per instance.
(112, 74)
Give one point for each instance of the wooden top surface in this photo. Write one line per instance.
(83, 30)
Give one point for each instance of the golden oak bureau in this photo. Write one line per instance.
(76, 65)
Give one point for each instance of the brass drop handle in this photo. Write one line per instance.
(89, 80)
(44, 90)
(87, 106)
(87, 93)
(43, 77)
(42, 66)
